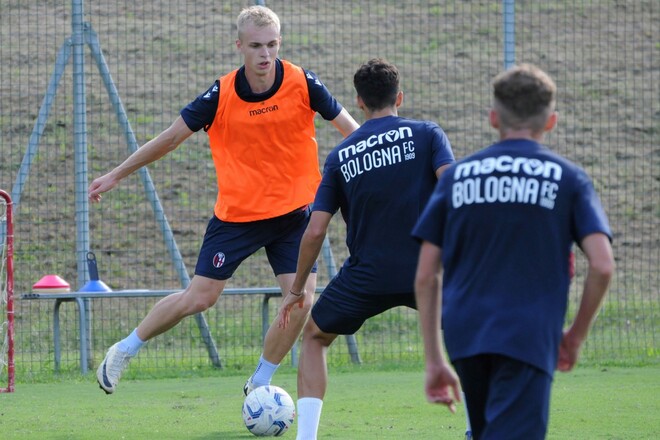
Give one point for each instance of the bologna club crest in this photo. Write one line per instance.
(218, 260)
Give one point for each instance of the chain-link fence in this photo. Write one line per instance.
(152, 58)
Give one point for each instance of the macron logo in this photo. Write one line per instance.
(509, 164)
(261, 111)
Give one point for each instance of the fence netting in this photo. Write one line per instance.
(161, 54)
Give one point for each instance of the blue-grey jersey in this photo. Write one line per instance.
(381, 177)
(199, 114)
(506, 219)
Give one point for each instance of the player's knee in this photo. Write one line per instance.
(200, 302)
(301, 312)
(306, 307)
(315, 335)
(310, 329)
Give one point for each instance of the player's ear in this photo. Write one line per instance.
(494, 119)
(399, 98)
(360, 102)
(551, 122)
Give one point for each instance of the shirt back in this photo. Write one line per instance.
(380, 178)
(506, 219)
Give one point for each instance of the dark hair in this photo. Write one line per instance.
(524, 97)
(377, 83)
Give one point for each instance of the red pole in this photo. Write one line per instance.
(10, 293)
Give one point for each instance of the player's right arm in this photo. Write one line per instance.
(153, 150)
(441, 170)
(441, 385)
(309, 250)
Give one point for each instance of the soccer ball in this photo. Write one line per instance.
(268, 411)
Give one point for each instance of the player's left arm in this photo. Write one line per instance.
(322, 101)
(598, 251)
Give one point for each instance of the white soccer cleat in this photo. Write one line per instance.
(248, 387)
(110, 370)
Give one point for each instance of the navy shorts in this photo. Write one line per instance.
(505, 398)
(227, 244)
(341, 311)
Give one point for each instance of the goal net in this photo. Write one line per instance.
(6, 294)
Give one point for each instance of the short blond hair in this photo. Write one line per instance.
(524, 97)
(260, 16)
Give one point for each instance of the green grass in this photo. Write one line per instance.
(589, 403)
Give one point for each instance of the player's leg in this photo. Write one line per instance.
(200, 294)
(518, 401)
(474, 374)
(278, 342)
(212, 270)
(468, 427)
(338, 311)
(312, 379)
(284, 234)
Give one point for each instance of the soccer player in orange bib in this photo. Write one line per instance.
(260, 123)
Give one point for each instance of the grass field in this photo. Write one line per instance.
(589, 403)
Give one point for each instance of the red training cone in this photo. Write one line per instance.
(51, 283)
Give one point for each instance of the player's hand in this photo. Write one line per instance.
(100, 185)
(285, 308)
(569, 351)
(442, 385)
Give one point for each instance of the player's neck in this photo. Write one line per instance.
(260, 83)
(382, 113)
(521, 134)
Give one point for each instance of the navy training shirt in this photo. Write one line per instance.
(506, 219)
(199, 114)
(381, 177)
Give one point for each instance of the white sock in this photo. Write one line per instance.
(309, 415)
(264, 372)
(131, 344)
